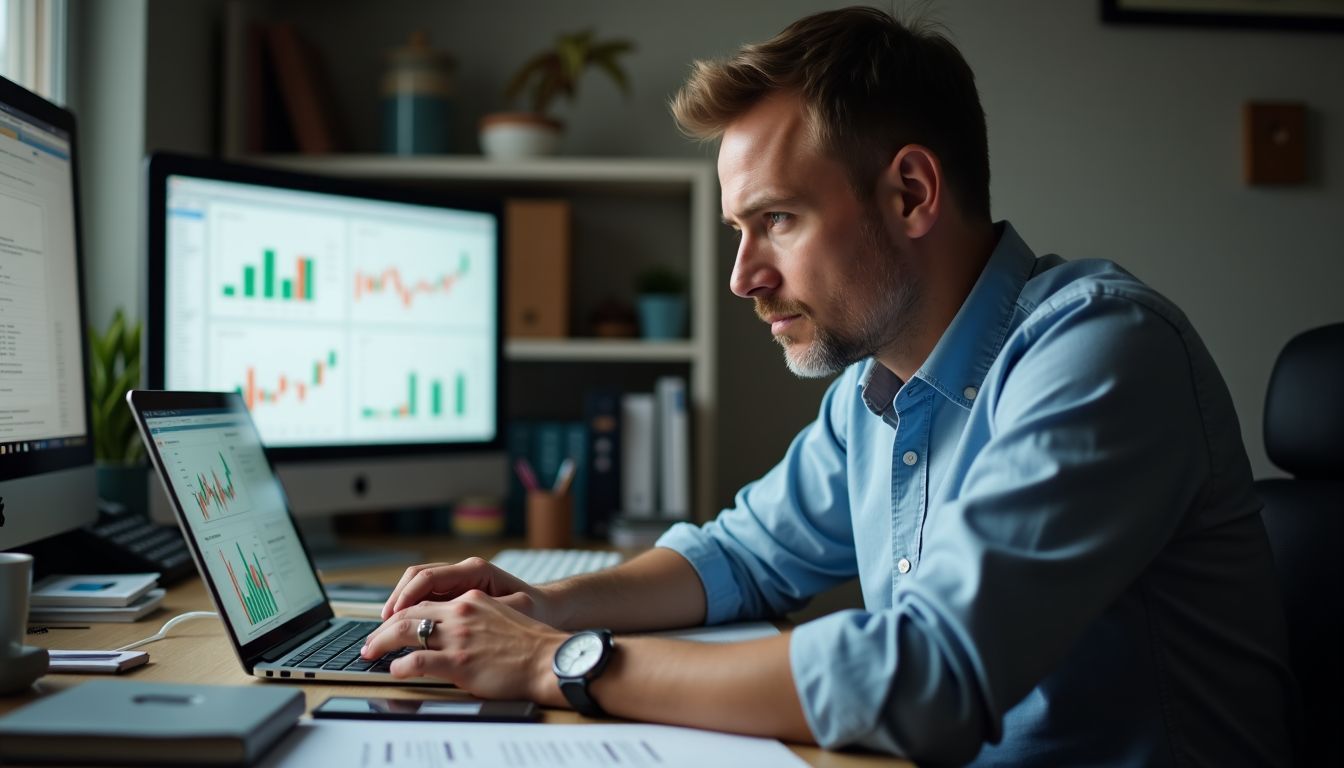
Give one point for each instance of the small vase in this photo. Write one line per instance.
(519, 135)
(662, 316)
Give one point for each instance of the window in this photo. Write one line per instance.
(32, 45)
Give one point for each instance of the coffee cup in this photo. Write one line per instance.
(20, 664)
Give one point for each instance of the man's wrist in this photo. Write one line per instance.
(558, 608)
(545, 685)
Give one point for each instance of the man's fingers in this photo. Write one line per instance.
(445, 582)
(389, 607)
(436, 664)
(392, 635)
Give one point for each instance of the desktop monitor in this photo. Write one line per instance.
(47, 483)
(360, 324)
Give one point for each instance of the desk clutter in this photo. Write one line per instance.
(136, 723)
(121, 597)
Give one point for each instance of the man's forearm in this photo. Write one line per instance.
(743, 688)
(656, 590)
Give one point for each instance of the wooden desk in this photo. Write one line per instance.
(199, 651)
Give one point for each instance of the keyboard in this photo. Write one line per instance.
(341, 651)
(538, 566)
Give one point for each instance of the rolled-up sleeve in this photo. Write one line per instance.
(788, 536)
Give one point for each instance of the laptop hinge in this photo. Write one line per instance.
(278, 651)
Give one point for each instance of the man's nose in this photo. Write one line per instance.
(754, 274)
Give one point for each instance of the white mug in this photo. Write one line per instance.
(20, 665)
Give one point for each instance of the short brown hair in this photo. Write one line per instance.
(871, 85)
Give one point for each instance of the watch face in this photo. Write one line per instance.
(579, 654)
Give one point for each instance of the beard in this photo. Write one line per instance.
(876, 318)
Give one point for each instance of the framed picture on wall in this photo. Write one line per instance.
(1312, 15)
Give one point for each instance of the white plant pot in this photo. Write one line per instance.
(519, 135)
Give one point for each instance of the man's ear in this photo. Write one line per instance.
(910, 190)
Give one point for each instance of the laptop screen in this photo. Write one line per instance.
(236, 511)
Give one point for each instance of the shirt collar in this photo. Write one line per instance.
(972, 341)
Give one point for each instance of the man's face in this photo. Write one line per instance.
(818, 261)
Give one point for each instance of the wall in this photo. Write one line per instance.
(1106, 141)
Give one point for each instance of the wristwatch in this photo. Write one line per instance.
(578, 661)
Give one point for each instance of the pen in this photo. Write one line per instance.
(526, 475)
(564, 476)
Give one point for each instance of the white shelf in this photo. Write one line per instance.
(651, 174)
(600, 350)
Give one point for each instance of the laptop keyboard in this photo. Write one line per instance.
(341, 651)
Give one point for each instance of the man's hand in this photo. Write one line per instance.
(444, 581)
(479, 644)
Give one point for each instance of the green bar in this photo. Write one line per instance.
(308, 280)
(229, 290)
(436, 397)
(462, 266)
(331, 359)
(249, 281)
(461, 394)
(268, 287)
(251, 607)
(369, 413)
(410, 400)
(286, 289)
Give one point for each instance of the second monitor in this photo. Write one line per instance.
(361, 325)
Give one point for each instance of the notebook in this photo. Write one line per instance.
(130, 722)
(233, 513)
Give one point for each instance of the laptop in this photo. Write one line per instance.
(233, 513)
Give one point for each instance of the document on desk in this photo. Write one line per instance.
(359, 744)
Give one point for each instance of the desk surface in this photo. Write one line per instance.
(199, 651)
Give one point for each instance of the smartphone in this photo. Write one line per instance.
(476, 710)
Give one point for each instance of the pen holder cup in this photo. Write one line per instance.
(549, 518)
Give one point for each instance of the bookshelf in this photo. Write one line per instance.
(629, 213)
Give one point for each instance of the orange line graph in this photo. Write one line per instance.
(390, 279)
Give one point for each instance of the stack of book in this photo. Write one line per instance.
(95, 598)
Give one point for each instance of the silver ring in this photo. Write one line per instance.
(426, 629)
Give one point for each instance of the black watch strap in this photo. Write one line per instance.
(576, 693)
(575, 689)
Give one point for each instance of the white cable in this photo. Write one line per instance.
(163, 631)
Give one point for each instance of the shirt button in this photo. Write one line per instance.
(910, 458)
(970, 392)
(903, 565)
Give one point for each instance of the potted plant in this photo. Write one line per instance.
(114, 368)
(553, 73)
(662, 303)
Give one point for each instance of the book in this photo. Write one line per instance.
(306, 100)
(138, 723)
(639, 451)
(97, 613)
(115, 590)
(576, 448)
(602, 416)
(95, 662)
(537, 268)
(674, 446)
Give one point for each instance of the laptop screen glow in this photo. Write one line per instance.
(237, 515)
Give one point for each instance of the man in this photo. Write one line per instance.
(1032, 466)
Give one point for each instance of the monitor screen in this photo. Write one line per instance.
(46, 452)
(342, 320)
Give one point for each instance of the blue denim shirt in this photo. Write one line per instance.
(1054, 528)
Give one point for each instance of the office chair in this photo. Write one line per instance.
(1304, 517)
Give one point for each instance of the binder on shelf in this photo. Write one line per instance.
(602, 417)
(537, 265)
(639, 452)
(674, 460)
(519, 446)
(576, 448)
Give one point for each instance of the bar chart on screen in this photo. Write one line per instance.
(252, 578)
(277, 265)
(404, 387)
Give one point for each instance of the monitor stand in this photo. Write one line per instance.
(329, 553)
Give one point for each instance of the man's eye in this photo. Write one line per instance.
(776, 218)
